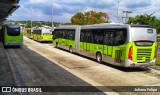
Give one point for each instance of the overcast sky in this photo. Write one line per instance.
(41, 10)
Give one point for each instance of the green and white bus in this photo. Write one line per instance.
(118, 44)
(12, 35)
(42, 34)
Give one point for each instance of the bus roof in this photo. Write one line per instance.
(41, 29)
(36, 29)
(138, 25)
(102, 26)
(12, 26)
(105, 25)
(67, 27)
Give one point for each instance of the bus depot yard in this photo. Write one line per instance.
(37, 63)
(112, 58)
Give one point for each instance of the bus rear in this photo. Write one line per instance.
(46, 35)
(13, 35)
(142, 46)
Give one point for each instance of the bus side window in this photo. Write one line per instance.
(120, 37)
(91, 37)
(67, 34)
(98, 36)
(82, 38)
(88, 36)
(109, 37)
(40, 32)
(106, 38)
(59, 33)
(72, 34)
(55, 34)
(64, 34)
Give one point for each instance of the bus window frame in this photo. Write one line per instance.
(113, 39)
(8, 28)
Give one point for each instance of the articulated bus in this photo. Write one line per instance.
(42, 34)
(12, 35)
(118, 44)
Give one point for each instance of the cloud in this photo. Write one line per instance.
(136, 4)
(64, 9)
(47, 2)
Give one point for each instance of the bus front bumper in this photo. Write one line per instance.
(130, 63)
(13, 43)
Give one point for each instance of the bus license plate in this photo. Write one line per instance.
(142, 66)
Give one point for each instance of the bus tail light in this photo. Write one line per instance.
(155, 52)
(130, 53)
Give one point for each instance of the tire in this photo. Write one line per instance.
(70, 49)
(99, 57)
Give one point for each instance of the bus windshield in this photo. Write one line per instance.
(13, 30)
(46, 31)
(143, 34)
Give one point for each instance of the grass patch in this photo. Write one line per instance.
(158, 60)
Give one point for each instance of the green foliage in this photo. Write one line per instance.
(34, 23)
(90, 17)
(40, 23)
(158, 60)
(146, 20)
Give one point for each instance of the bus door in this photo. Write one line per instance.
(108, 42)
(86, 44)
(63, 40)
(71, 37)
(60, 33)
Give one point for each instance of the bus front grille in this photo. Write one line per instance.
(144, 54)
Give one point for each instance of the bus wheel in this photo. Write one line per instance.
(70, 49)
(99, 57)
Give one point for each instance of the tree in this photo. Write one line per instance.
(146, 20)
(40, 24)
(90, 17)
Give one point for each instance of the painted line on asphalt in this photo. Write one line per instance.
(16, 74)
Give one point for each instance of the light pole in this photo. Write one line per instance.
(117, 10)
(31, 16)
(52, 14)
(31, 24)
